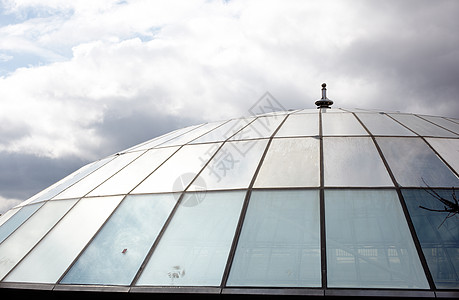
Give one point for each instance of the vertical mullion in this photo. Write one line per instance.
(323, 245)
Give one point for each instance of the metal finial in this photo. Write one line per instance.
(324, 102)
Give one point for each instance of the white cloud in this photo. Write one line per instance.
(205, 59)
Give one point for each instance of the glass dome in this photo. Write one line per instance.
(309, 202)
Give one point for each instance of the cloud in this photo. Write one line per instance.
(104, 75)
(6, 204)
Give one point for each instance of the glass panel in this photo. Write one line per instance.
(17, 219)
(232, 167)
(341, 124)
(332, 110)
(185, 138)
(84, 186)
(280, 241)
(194, 248)
(262, 127)
(13, 249)
(448, 149)
(413, 163)
(69, 180)
(307, 111)
(179, 170)
(144, 145)
(300, 125)
(118, 250)
(421, 126)
(223, 132)
(368, 242)
(438, 233)
(445, 123)
(381, 124)
(166, 137)
(6, 216)
(53, 255)
(129, 177)
(353, 161)
(290, 163)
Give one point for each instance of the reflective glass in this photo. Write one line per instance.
(194, 248)
(413, 163)
(369, 244)
(232, 167)
(448, 149)
(437, 232)
(331, 110)
(300, 125)
(84, 186)
(56, 251)
(280, 241)
(13, 249)
(118, 250)
(290, 163)
(421, 126)
(223, 132)
(187, 137)
(307, 111)
(262, 127)
(179, 170)
(69, 180)
(353, 161)
(445, 123)
(17, 219)
(6, 216)
(341, 124)
(129, 177)
(381, 124)
(166, 137)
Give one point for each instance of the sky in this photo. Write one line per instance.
(80, 80)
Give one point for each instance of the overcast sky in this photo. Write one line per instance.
(81, 79)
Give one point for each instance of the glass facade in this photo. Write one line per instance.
(316, 200)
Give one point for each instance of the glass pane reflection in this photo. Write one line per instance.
(290, 163)
(422, 127)
(56, 251)
(368, 243)
(22, 240)
(195, 246)
(280, 241)
(438, 235)
(17, 219)
(353, 161)
(118, 250)
(233, 166)
(413, 163)
(341, 124)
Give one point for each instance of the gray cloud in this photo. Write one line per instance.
(207, 61)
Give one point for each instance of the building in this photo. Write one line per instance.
(311, 203)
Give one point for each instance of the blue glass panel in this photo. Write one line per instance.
(438, 233)
(119, 249)
(194, 248)
(413, 163)
(280, 241)
(369, 244)
(17, 219)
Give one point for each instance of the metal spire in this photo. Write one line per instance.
(324, 102)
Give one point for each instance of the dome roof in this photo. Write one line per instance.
(316, 202)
